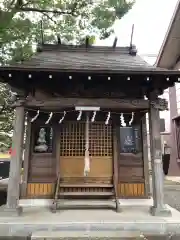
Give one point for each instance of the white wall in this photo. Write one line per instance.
(166, 114)
(178, 96)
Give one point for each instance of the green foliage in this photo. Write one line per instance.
(72, 20)
(20, 22)
(6, 118)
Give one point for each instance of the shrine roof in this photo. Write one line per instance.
(169, 54)
(79, 58)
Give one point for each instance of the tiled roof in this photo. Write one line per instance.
(92, 58)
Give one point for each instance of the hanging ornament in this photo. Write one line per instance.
(49, 119)
(132, 118)
(60, 121)
(107, 119)
(79, 116)
(122, 120)
(93, 117)
(35, 117)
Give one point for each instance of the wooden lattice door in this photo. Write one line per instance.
(72, 150)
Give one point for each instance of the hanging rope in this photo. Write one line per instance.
(86, 157)
(123, 123)
(70, 111)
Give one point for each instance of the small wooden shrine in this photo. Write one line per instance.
(86, 136)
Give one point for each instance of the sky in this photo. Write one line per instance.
(151, 19)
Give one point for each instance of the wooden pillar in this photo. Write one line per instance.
(145, 155)
(116, 167)
(158, 208)
(12, 205)
(26, 159)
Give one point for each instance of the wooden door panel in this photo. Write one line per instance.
(72, 150)
(101, 166)
(71, 166)
(130, 172)
(74, 167)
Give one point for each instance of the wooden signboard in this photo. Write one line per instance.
(129, 140)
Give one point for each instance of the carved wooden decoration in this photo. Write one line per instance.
(113, 103)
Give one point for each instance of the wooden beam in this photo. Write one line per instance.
(94, 102)
(160, 104)
(115, 42)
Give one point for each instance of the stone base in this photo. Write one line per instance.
(82, 235)
(118, 207)
(10, 212)
(160, 212)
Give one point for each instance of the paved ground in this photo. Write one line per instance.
(172, 194)
(172, 197)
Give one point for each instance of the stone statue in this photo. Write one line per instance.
(41, 147)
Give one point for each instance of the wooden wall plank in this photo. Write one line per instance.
(131, 190)
(42, 166)
(131, 179)
(46, 190)
(40, 190)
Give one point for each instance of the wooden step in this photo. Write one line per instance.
(84, 185)
(86, 194)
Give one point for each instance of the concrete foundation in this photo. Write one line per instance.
(134, 218)
(10, 212)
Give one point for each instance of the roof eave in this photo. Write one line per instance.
(168, 35)
(96, 71)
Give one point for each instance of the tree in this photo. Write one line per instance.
(6, 118)
(21, 22)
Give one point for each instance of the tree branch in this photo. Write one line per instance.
(28, 2)
(29, 9)
(46, 15)
(12, 2)
(21, 6)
